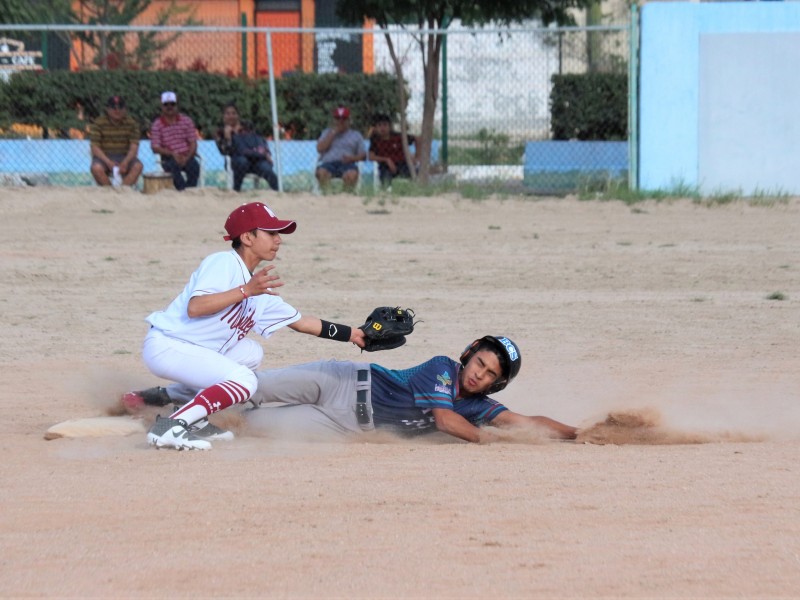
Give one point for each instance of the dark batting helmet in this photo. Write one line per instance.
(510, 358)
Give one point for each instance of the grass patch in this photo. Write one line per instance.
(768, 198)
(485, 148)
(617, 189)
(587, 186)
(777, 296)
(441, 185)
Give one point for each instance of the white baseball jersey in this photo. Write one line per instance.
(221, 272)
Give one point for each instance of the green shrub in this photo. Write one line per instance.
(591, 106)
(62, 100)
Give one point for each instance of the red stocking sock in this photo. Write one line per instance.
(213, 399)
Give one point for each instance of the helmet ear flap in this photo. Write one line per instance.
(468, 352)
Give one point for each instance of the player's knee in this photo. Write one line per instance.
(246, 378)
(248, 353)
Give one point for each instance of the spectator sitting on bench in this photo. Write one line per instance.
(115, 144)
(174, 136)
(386, 148)
(247, 149)
(340, 149)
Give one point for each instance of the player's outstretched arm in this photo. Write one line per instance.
(556, 430)
(325, 329)
(452, 423)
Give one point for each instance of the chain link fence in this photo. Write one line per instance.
(493, 120)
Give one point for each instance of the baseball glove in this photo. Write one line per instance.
(387, 327)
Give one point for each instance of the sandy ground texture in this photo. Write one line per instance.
(659, 313)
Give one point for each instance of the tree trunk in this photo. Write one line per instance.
(432, 44)
(103, 58)
(403, 101)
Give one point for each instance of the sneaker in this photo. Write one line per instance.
(135, 401)
(208, 431)
(174, 433)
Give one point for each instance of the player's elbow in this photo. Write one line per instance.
(194, 308)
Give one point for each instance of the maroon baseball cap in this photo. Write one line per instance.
(255, 216)
(341, 112)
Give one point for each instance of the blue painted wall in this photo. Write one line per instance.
(558, 166)
(73, 156)
(670, 84)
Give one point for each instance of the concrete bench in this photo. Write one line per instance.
(66, 162)
(561, 166)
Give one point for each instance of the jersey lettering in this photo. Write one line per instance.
(239, 318)
(417, 423)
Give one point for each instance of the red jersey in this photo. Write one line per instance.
(391, 147)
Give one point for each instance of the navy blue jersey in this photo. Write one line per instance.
(402, 399)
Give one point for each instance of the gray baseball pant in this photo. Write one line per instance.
(323, 399)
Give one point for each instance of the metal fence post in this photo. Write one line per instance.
(444, 100)
(45, 50)
(276, 129)
(633, 100)
(244, 46)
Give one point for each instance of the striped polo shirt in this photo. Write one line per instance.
(114, 138)
(176, 136)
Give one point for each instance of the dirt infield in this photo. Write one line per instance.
(659, 313)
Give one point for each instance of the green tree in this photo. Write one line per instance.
(110, 48)
(34, 12)
(421, 15)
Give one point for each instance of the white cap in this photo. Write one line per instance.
(168, 97)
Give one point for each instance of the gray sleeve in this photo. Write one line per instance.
(361, 147)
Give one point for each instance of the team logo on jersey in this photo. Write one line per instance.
(446, 381)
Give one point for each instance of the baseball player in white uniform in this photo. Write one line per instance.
(200, 340)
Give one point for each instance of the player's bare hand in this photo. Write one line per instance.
(357, 337)
(264, 282)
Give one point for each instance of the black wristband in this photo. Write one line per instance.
(334, 331)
